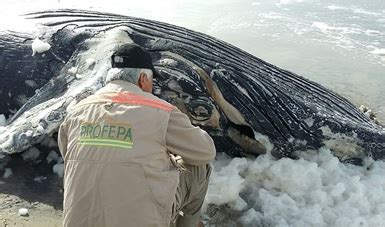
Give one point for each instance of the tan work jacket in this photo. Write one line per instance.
(117, 169)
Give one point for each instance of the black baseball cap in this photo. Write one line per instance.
(132, 56)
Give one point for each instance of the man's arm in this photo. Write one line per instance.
(193, 144)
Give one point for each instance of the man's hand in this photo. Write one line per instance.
(177, 161)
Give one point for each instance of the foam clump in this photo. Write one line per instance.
(39, 46)
(315, 190)
(223, 175)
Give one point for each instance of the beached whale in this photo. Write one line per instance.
(246, 104)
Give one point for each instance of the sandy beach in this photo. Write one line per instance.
(39, 214)
(34, 186)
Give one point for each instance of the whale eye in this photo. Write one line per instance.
(200, 110)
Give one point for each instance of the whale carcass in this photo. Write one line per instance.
(247, 105)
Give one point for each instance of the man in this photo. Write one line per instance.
(122, 149)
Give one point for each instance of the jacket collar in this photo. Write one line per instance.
(119, 86)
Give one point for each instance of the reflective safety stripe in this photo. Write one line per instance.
(105, 142)
(133, 99)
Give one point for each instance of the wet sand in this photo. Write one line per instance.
(39, 214)
(33, 186)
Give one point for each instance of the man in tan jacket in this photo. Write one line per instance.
(123, 150)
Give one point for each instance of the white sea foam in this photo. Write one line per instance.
(287, 2)
(340, 36)
(292, 2)
(39, 46)
(223, 173)
(322, 26)
(372, 32)
(168, 62)
(271, 15)
(316, 190)
(334, 7)
(90, 61)
(264, 140)
(365, 12)
(380, 52)
(73, 70)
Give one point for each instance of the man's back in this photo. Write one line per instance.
(117, 161)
